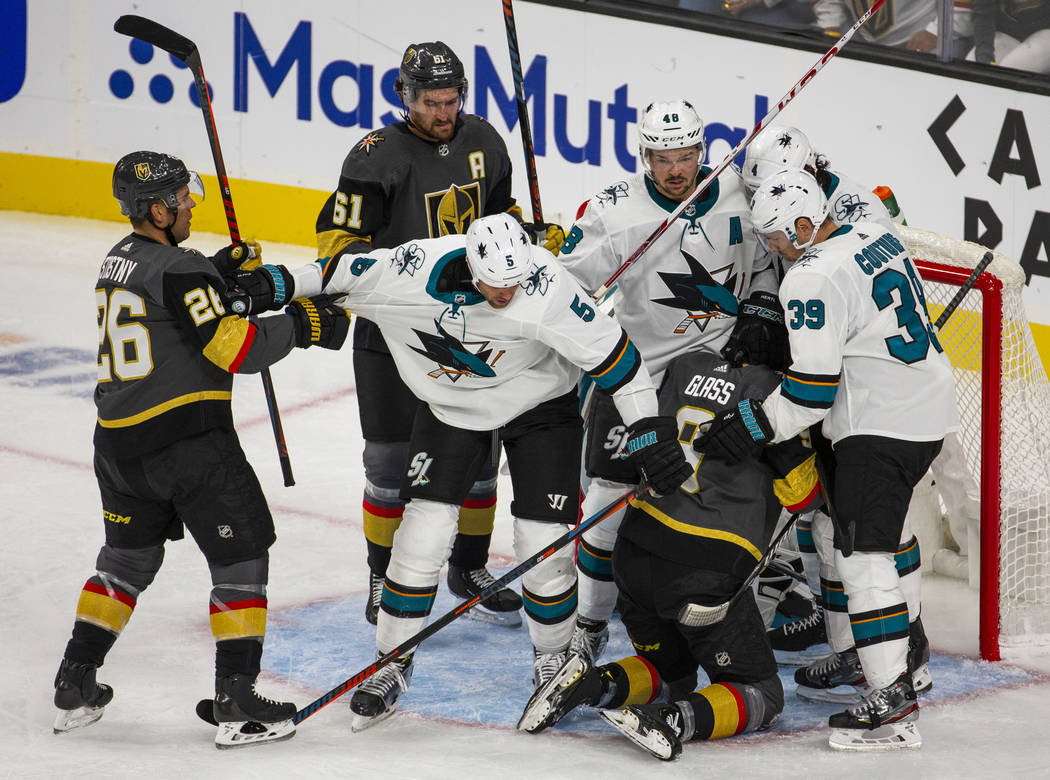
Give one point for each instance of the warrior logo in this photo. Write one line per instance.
(697, 291)
(418, 468)
(409, 259)
(451, 211)
(557, 501)
(850, 208)
(613, 193)
(369, 142)
(142, 171)
(453, 357)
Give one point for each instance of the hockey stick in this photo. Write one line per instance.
(706, 182)
(186, 51)
(697, 615)
(523, 114)
(204, 708)
(968, 285)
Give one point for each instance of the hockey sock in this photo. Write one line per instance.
(808, 551)
(597, 589)
(89, 644)
(103, 609)
(238, 656)
(238, 623)
(631, 680)
(909, 569)
(381, 519)
(477, 517)
(836, 611)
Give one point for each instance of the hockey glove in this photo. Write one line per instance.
(553, 235)
(267, 288)
(653, 448)
(242, 256)
(319, 322)
(735, 434)
(759, 335)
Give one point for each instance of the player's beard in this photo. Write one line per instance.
(432, 128)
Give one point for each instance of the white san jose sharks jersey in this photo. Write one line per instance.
(476, 366)
(849, 202)
(681, 295)
(865, 357)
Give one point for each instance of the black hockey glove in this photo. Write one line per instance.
(242, 256)
(267, 288)
(735, 434)
(653, 448)
(759, 335)
(319, 322)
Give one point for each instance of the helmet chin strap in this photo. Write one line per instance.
(167, 230)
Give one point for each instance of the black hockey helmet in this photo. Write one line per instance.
(140, 178)
(431, 65)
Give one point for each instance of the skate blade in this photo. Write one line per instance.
(537, 711)
(649, 740)
(895, 736)
(69, 720)
(362, 722)
(235, 734)
(483, 614)
(801, 657)
(843, 694)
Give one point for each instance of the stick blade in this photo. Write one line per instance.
(157, 34)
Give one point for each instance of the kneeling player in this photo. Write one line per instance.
(695, 546)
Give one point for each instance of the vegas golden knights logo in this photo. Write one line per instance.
(142, 171)
(880, 23)
(452, 210)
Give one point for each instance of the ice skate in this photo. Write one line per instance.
(80, 700)
(575, 684)
(884, 720)
(376, 698)
(796, 642)
(502, 608)
(589, 638)
(546, 665)
(837, 678)
(919, 657)
(375, 597)
(656, 728)
(246, 718)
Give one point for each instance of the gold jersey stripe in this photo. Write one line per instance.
(693, 530)
(173, 403)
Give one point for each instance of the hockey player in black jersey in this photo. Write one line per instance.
(695, 545)
(166, 454)
(427, 176)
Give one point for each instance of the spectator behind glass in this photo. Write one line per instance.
(791, 14)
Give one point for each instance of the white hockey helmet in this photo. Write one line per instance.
(671, 125)
(498, 251)
(783, 198)
(777, 147)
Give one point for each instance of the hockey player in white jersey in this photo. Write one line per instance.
(681, 296)
(490, 333)
(867, 365)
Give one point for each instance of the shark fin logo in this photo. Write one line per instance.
(453, 356)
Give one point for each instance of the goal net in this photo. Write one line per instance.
(1004, 404)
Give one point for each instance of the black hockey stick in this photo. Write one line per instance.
(185, 50)
(968, 285)
(697, 615)
(706, 182)
(204, 709)
(523, 114)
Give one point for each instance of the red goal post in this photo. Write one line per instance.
(1004, 403)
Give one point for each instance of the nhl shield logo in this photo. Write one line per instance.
(142, 171)
(722, 658)
(225, 532)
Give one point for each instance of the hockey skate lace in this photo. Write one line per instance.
(480, 579)
(875, 702)
(264, 699)
(377, 592)
(812, 620)
(829, 664)
(384, 681)
(546, 665)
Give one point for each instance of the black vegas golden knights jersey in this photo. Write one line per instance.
(722, 517)
(395, 187)
(168, 349)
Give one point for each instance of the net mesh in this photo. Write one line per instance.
(1023, 482)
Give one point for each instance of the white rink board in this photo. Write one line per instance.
(326, 62)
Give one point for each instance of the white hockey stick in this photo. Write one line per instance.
(706, 182)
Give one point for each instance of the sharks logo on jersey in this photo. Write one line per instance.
(698, 294)
(613, 193)
(850, 208)
(539, 282)
(454, 357)
(409, 259)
